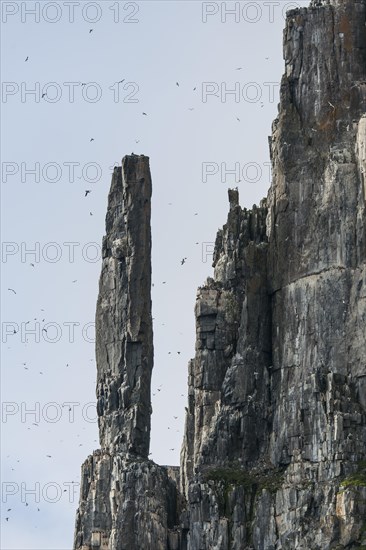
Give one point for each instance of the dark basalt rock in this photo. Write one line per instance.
(274, 451)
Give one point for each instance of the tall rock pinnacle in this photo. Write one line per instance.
(124, 347)
(126, 502)
(274, 450)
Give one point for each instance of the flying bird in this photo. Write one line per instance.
(238, 119)
(145, 114)
(27, 58)
(87, 191)
(90, 30)
(183, 261)
(177, 84)
(91, 139)
(239, 68)
(12, 290)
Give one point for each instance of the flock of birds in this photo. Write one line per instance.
(184, 259)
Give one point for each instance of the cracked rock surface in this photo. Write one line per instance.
(274, 450)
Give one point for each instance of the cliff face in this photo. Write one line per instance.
(126, 502)
(274, 452)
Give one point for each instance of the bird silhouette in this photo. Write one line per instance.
(145, 114)
(90, 30)
(91, 139)
(12, 290)
(27, 58)
(87, 191)
(183, 261)
(177, 84)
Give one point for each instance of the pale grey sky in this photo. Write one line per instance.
(151, 46)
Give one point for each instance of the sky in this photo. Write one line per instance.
(77, 77)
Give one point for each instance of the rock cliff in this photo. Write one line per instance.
(274, 451)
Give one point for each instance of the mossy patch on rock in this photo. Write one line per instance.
(358, 478)
(271, 480)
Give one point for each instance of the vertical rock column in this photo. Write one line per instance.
(126, 501)
(124, 347)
